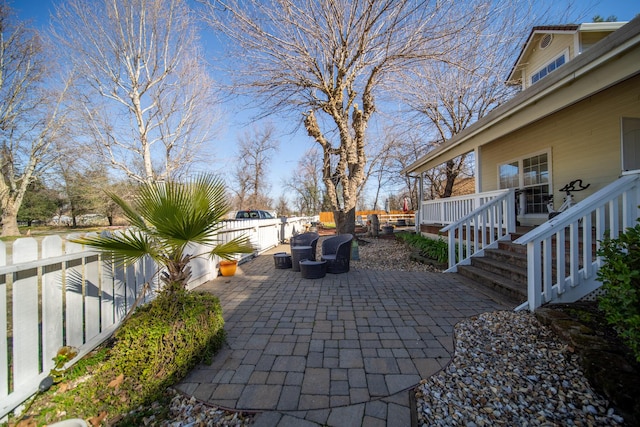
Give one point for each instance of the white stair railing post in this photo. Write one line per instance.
(476, 231)
(576, 273)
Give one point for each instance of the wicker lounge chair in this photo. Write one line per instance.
(337, 252)
(305, 239)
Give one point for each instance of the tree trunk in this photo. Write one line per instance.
(10, 221)
(345, 221)
(451, 175)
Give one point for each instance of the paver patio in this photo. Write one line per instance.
(339, 351)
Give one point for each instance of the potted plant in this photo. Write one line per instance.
(228, 267)
(387, 228)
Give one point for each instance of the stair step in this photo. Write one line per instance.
(504, 255)
(504, 269)
(512, 247)
(496, 295)
(512, 271)
(494, 281)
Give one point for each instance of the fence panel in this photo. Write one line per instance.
(52, 328)
(119, 292)
(4, 354)
(107, 297)
(130, 287)
(26, 363)
(92, 286)
(72, 284)
(90, 295)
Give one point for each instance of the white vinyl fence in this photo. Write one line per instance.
(55, 293)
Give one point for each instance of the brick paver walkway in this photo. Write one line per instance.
(338, 351)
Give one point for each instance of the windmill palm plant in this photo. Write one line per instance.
(166, 217)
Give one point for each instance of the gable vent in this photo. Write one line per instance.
(546, 40)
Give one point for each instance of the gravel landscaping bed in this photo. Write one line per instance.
(508, 369)
(387, 254)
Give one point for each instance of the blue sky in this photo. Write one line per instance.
(293, 146)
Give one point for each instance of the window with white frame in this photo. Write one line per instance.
(530, 175)
(549, 67)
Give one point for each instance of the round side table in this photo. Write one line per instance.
(313, 269)
(298, 253)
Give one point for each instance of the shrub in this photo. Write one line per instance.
(155, 348)
(430, 248)
(620, 275)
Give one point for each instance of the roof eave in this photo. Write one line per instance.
(596, 56)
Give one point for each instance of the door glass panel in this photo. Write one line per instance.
(509, 175)
(630, 144)
(536, 178)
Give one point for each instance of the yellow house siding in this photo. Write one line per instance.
(583, 140)
(589, 38)
(541, 57)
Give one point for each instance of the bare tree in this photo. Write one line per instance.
(31, 114)
(304, 183)
(240, 177)
(142, 89)
(282, 206)
(255, 149)
(450, 95)
(377, 169)
(326, 60)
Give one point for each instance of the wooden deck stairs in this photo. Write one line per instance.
(504, 269)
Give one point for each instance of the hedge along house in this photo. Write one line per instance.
(577, 117)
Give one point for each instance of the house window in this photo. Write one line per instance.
(630, 144)
(549, 68)
(509, 175)
(531, 176)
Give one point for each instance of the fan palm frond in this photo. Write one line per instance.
(239, 245)
(126, 247)
(168, 216)
(183, 213)
(130, 213)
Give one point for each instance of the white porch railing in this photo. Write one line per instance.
(481, 229)
(55, 293)
(451, 209)
(569, 276)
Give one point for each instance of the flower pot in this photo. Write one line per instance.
(387, 229)
(228, 268)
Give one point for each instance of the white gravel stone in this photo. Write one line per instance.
(538, 384)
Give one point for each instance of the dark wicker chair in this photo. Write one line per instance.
(305, 239)
(337, 252)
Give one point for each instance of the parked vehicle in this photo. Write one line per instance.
(254, 215)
